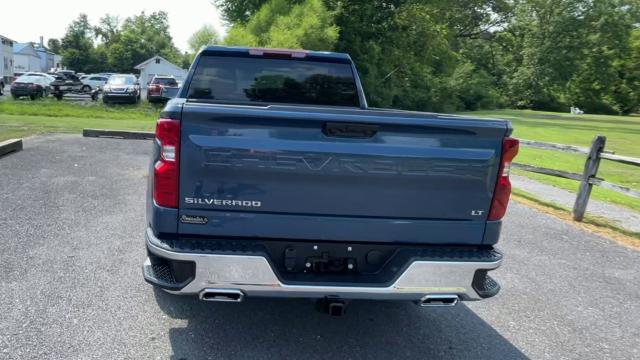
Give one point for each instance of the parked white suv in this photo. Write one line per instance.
(91, 82)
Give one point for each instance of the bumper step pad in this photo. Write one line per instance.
(484, 285)
(163, 274)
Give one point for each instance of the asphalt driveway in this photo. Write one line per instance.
(71, 246)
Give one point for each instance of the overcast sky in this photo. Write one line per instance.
(22, 22)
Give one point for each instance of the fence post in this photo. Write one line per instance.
(590, 170)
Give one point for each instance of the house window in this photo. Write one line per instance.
(157, 61)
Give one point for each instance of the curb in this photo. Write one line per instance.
(118, 134)
(10, 146)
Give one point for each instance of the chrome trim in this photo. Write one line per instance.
(254, 276)
(238, 293)
(439, 300)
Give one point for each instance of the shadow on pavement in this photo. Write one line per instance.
(272, 328)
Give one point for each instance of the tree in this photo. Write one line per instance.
(566, 53)
(206, 35)
(124, 44)
(402, 51)
(280, 24)
(238, 11)
(448, 55)
(108, 29)
(603, 81)
(121, 44)
(631, 73)
(76, 46)
(54, 46)
(143, 36)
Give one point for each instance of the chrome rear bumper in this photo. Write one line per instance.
(254, 276)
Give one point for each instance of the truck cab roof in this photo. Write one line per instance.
(295, 53)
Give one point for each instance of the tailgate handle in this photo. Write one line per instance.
(347, 130)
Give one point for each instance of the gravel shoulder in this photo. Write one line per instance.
(619, 215)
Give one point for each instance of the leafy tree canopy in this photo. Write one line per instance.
(118, 46)
(448, 55)
(206, 35)
(281, 24)
(436, 55)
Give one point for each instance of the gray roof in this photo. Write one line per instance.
(6, 38)
(144, 63)
(24, 48)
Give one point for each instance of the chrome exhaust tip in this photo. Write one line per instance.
(439, 300)
(221, 295)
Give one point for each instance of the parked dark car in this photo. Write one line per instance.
(1, 86)
(48, 78)
(66, 72)
(31, 86)
(121, 88)
(159, 82)
(67, 82)
(16, 75)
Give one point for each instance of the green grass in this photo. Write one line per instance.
(22, 118)
(623, 137)
(622, 132)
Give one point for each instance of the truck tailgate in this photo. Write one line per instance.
(343, 175)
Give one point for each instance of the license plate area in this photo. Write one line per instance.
(333, 259)
(326, 263)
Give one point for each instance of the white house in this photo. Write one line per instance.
(25, 57)
(57, 61)
(46, 56)
(6, 59)
(158, 65)
(46, 59)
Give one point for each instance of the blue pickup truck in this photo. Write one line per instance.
(271, 177)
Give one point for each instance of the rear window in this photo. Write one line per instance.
(122, 80)
(262, 80)
(30, 79)
(165, 81)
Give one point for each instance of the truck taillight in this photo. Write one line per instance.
(165, 185)
(502, 191)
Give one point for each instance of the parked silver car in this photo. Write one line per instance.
(93, 82)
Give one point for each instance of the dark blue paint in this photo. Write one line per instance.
(333, 228)
(417, 180)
